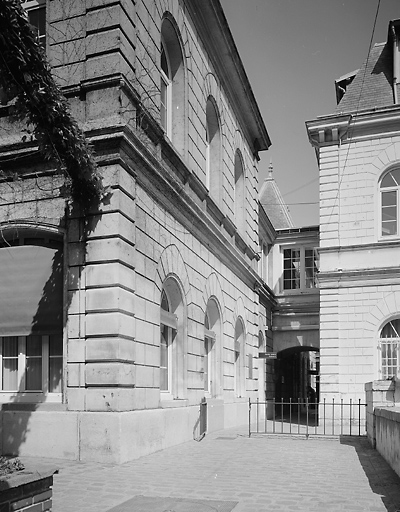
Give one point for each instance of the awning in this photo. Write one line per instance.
(31, 290)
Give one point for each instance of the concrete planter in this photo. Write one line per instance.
(27, 490)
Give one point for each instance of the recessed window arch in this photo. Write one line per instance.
(239, 193)
(172, 375)
(239, 363)
(212, 349)
(31, 315)
(172, 84)
(389, 343)
(213, 149)
(389, 203)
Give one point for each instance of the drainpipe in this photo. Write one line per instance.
(395, 64)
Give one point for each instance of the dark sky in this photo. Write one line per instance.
(293, 50)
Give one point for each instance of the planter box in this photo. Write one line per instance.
(26, 490)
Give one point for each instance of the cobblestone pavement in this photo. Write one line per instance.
(261, 474)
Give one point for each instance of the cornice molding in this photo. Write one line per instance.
(355, 278)
(216, 36)
(364, 247)
(354, 126)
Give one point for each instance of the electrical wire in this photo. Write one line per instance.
(352, 122)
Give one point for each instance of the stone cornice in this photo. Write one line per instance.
(355, 278)
(354, 126)
(364, 247)
(216, 36)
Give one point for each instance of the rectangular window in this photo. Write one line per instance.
(389, 213)
(300, 268)
(291, 269)
(206, 363)
(164, 103)
(164, 363)
(389, 355)
(31, 363)
(311, 267)
(37, 18)
(10, 363)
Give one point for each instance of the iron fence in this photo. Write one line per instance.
(303, 417)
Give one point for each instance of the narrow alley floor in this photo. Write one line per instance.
(229, 471)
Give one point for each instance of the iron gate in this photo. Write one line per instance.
(303, 417)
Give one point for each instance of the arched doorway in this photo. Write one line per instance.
(297, 374)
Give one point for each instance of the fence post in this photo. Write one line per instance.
(249, 417)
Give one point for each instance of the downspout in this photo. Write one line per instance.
(395, 64)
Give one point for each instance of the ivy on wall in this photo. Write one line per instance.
(25, 76)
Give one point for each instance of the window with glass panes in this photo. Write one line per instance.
(165, 91)
(31, 315)
(209, 340)
(168, 327)
(389, 346)
(389, 191)
(300, 268)
(31, 363)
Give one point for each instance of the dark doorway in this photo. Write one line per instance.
(297, 375)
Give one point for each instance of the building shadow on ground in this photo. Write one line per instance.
(382, 479)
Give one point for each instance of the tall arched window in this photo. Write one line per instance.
(31, 316)
(213, 149)
(166, 90)
(389, 192)
(239, 346)
(239, 198)
(172, 85)
(212, 345)
(389, 341)
(172, 377)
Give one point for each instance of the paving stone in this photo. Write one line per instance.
(261, 474)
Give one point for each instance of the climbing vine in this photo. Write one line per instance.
(25, 76)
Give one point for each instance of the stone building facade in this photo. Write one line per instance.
(358, 149)
(119, 323)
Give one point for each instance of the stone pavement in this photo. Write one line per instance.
(260, 474)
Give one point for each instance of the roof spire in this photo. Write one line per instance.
(270, 169)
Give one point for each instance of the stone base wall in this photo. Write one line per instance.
(114, 437)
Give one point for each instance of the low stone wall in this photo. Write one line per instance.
(383, 419)
(27, 491)
(378, 394)
(387, 435)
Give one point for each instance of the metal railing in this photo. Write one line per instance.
(303, 417)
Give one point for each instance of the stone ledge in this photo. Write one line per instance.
(392, 413)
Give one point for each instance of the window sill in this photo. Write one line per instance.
(169, 404)
(300, 291)
(34, 398)
(20, 406)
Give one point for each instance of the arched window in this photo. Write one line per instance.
(239, 198)
(389, 192)
(168, 331)
(31, 316)
(213, 150)
(172, 375)
(239, 346)
(389, 341)
(166, 90)
(212, 345)
(172, 85)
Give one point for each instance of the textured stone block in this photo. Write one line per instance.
(111, 349)
(111, 324)
(110, 373)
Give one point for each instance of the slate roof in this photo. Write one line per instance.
(372, 85)
(272, 201)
